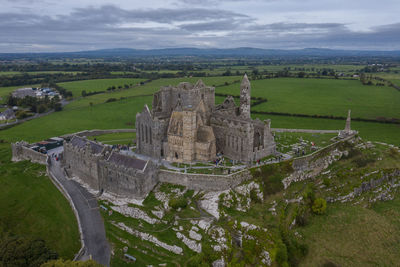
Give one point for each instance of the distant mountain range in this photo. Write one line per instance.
(236, 52)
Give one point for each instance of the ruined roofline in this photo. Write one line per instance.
(81, 142)
(188, 86)
(127, 162)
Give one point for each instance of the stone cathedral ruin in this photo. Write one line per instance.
(186, 126)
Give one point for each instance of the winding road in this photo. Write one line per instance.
(96, 246)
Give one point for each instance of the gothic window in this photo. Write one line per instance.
(147, 134)
(151, 141)
(142, 131)
(176, 155)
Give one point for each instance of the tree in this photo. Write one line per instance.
(57, 107)
(17, 251)
(68, 263)
(41, 108)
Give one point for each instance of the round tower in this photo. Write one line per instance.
(245, 97)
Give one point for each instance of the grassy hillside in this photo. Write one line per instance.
(32, 207)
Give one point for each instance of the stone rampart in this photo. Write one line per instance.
(303, 163)
(21, 151)
(312, 165)
(207, 182)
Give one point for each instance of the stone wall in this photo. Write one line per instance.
(303, 163)
(127, 182)
(82, 163)
(312, 165)
(207, 182)
(99, 132)
(21, 151)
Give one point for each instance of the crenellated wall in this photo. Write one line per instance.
(127, 182)
(21, 151)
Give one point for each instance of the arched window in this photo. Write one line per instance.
(151, 141)
(147, 133)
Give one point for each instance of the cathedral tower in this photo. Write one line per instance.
(245, 97)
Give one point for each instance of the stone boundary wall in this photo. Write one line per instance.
(208, 182)
(21, 151)
(302, 163)
(284, 130)
(99, 132)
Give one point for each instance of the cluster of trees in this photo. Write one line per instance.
(36, 105)
(19, 251)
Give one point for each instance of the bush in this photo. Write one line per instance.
(363, 160)
(57, 107)
(319, 206)
(253, 196)
(111, 100)
(177, 203)
(21, 114)
(303, 215)
(41, 109)
(326, 182)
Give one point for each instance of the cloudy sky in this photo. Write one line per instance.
(75, 25)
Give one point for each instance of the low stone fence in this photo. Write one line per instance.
(21, 151)
(207, 182)
(284, 130)
(302, 163)
(99, 132)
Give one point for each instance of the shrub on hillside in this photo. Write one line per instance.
(111, 100)
(179, 202)
(319, 206)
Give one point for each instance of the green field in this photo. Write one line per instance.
(389, 133)
(32, 207)
(5, 91)
(80, 115)
(77, 87)
(323, 97)
(146, 89)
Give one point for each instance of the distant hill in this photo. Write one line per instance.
(234, 52)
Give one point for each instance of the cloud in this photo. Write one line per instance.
(111, 27)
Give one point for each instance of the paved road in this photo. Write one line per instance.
(94, 236)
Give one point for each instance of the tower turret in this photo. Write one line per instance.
(245, 97)
(348, 122)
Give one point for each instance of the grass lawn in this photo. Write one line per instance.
(115, 138)
(323, 97)
(32, 207)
